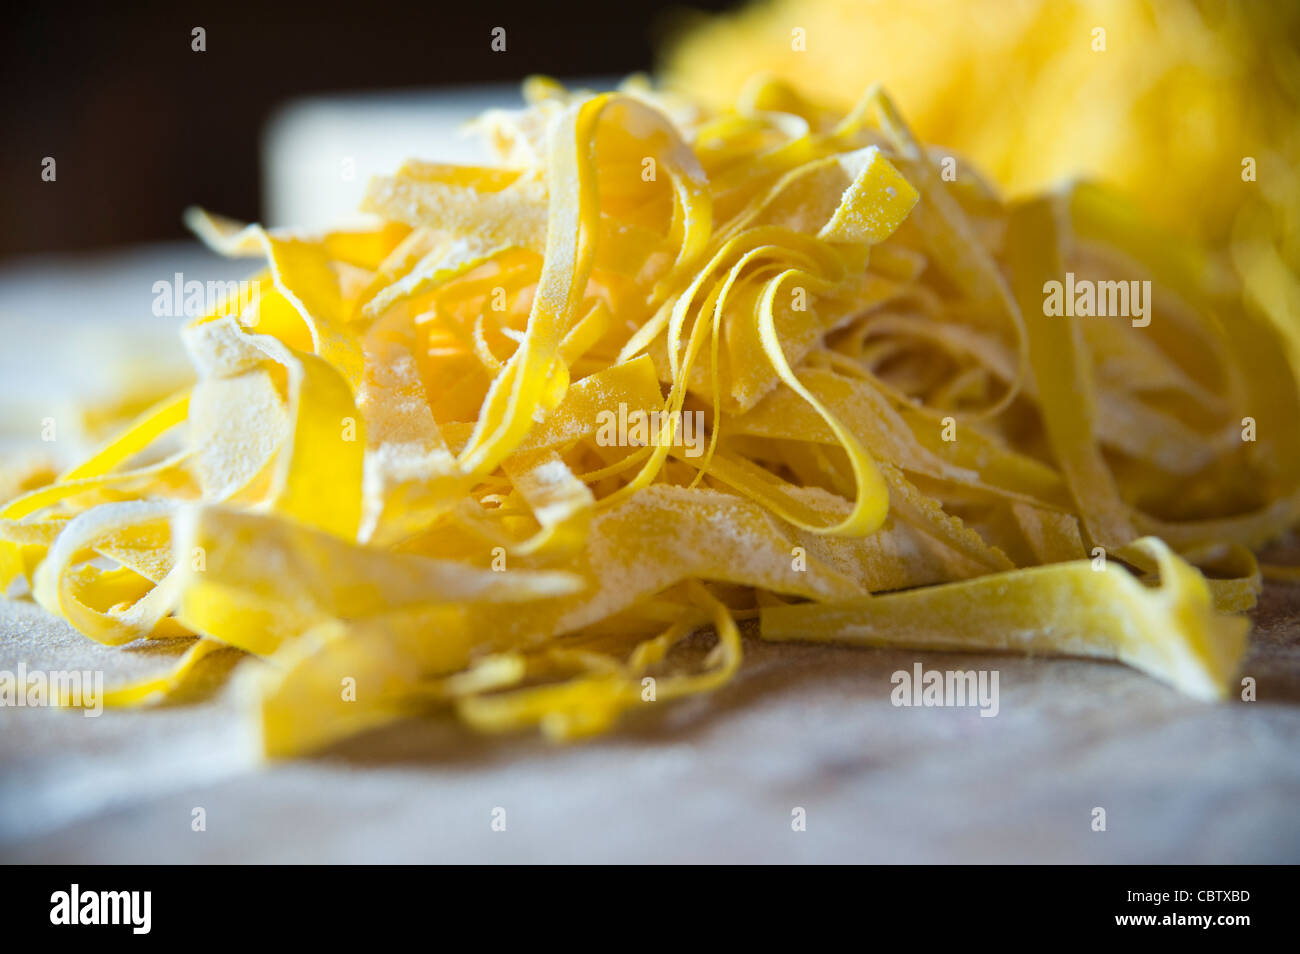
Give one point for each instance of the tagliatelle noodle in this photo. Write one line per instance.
(659, 370)
(1060, 607)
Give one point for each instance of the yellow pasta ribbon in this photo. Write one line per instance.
(660, 368)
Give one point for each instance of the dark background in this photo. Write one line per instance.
(141, 126)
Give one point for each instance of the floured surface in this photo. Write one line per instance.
(706, 779)
(712, 778)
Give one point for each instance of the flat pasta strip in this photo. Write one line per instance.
(660, 368)
(1171, 632)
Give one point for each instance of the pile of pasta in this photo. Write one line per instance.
(393, 484)
(1171, 100)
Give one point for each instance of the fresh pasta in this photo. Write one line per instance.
(662, 370)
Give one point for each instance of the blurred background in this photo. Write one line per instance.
(1165, 98)
(141, 125)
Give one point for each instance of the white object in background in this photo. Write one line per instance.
(318, 154)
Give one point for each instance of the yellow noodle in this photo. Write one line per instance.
(661, 369)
